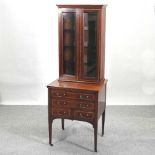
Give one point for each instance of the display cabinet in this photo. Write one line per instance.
(81, 43)
(80, 91)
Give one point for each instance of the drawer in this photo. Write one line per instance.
(77, 104)
(63, 113)
(85, 105)
(58, 103)
(63, 93)
(58, 93)
(81, 115)
(82, 96)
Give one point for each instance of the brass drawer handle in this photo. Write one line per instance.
(61, 103)
(57, 94)
(81, 115)
(84, 116)
(81, 97)
(84, 106)
(63, 113)
(87, 96)
(60, 95)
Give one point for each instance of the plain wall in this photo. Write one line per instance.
(29, 50)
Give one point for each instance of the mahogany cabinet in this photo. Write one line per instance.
(80, 91)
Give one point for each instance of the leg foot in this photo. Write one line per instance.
(62, 123)
(95, 138)
(103, 120)
(50, 130)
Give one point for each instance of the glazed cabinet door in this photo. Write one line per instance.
(68, 40)
(89, 59)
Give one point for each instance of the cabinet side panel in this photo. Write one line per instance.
(103, 23)
(101, 101)
(60, 43)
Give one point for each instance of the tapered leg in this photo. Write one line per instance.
(50, 130)
(103, 114)
(95, 137)
(62, 123)
(103, 120)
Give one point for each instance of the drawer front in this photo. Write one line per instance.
(58, 103)
(81, 115)
(73, 95)
(76, 104)
(58, 93)
(81, 96)
(85, 105)
(62, 113)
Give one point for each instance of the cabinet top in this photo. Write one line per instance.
(81, 6)
(78, 85)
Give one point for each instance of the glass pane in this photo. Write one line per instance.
(89, 61)
(69, 43)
